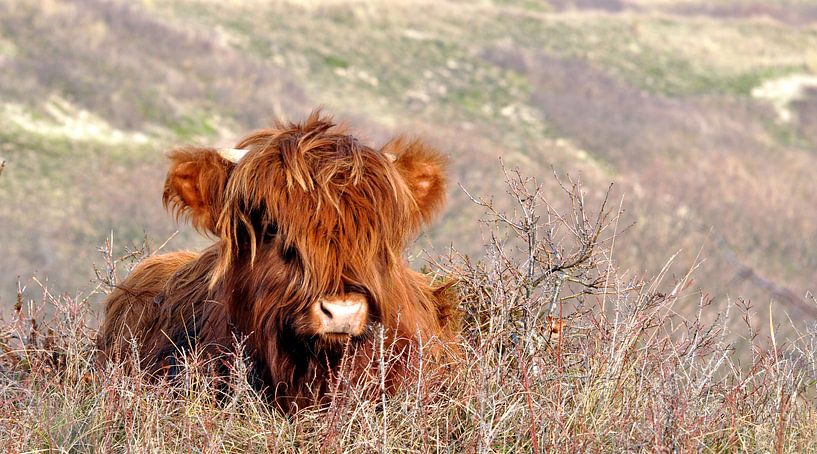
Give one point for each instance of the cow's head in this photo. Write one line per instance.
(312, 225)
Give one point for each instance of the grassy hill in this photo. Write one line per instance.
(702, 115)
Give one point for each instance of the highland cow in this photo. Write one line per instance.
(311, 225)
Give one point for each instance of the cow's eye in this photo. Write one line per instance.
(270, 231)
(290, 254)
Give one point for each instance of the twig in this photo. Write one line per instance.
(383, 448)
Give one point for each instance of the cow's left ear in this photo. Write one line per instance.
(423, 169)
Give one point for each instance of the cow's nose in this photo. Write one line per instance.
(341, 314)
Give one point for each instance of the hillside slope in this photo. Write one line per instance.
(703, 116)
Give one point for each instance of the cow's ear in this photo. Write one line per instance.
(195, 185)
(423, 169)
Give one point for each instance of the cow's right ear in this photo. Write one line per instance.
(195, 185)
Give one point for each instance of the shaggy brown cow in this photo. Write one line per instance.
(311, 225)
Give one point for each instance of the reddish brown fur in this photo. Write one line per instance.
(308, 212)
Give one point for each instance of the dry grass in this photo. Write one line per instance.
(654, 95)
(562, 353)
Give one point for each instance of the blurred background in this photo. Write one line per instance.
(703, 114)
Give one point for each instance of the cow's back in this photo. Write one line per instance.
(132, 310)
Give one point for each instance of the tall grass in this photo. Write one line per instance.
(562, 352)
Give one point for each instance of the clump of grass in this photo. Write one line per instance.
(561, 352)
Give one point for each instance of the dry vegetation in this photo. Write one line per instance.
(704, 115)
(562, 353)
